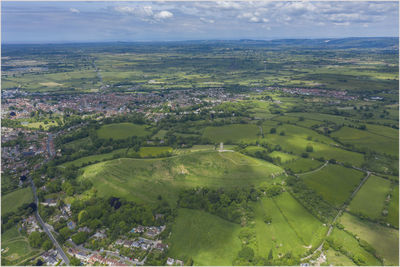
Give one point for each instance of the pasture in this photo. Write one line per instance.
(393, 215)
(233, 133)
(367, 140)
(336, 258)
(122, 130)
(12, 201)
(142, 180)
(285, 157)
(334, 183)
(350, 244)
(16, 247)
(384, 239)
(301, 165)
(370, 199)
(206, 238)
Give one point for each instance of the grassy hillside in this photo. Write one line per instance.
(121, 130)
(206, 238)
(334, 183)
(11, 201)
(145, 179)
(393, 215)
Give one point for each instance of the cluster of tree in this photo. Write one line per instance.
(10, 219)
(311, 200)
(246, 257)
(228, 204)
(40, 240)
(116, 215)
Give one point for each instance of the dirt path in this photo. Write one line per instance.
(304, 173)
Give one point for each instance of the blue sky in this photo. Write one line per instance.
(47, 22)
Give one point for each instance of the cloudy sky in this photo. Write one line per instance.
(37, 22)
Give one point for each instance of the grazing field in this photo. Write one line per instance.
(160, 134)
(233, 133)
(334, 183)
(143, 180)
(285, 157)
(302, 165)
(366, 140)
(336, 258)
(16, 247)
(12, 201)
(94, 158)
(384, 239)
(206, 238)
(76, 144)
(122, 130)
(153, 151)
(370, 198)
(350, 244)
(393, 215)
(292, 228)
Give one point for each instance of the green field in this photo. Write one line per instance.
(233, 133)
(393, 215)
(334, 183)
(350, 244)
(154, 151)
(144, 179)
(206, 238)
(385, 240)
(285, 157)
(94, 158)
(16, 247)
(160, 134)
(122, 130)
(336, 258)
(366, 140)
(371, 197)
(76, 144)
(12, 201)
(302, 165)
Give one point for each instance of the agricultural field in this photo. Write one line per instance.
(393, 209)
(143, 180)
(384, 239)
(368, 141)
(122, 130)
(206, 238)
(336, 258)
(234, 133)
(351, 245)
(370, 199)
(16, 247)
(12, 201)
(301, 165)
(334, 183)
(95, 158)
(285, 157)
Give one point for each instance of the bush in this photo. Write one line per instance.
(309, 148)
(304, 155)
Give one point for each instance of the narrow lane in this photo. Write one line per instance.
(46, 230)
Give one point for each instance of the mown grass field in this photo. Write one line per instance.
(143, 180)
(367, 140)
(206, 238)
(350, 244)
(334, 183)
(384, 239)
(16, 247)
(94, 158)
(12, 201)
(122, 130)
(233, 133)
(370, 199)
(301, 165)
(393, 215)
(76, 144)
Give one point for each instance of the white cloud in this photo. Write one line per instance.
(74, 10)
(124, 9)
(207, 20)
(163, 15)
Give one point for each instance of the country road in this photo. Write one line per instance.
(46, 230)
(342, 209)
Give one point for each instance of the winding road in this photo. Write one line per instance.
(46, 230)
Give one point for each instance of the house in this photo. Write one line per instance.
(71, 225)
(170, 261)
(84, 229)
(100, 235)
(161, 246)
(49, 202)
(179, 262)
(119, 242)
